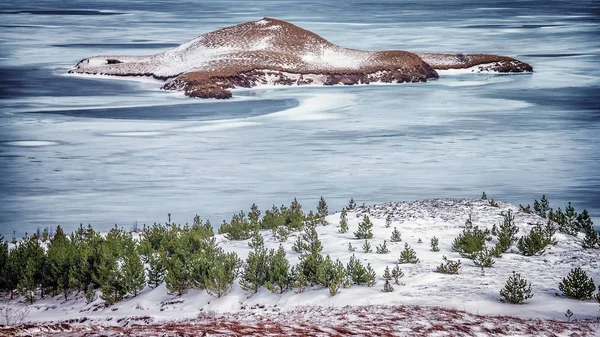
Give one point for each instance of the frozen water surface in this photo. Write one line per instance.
(75, 149)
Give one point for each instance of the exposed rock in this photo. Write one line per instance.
(275, 52)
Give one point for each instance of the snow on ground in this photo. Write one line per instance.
(474, 290)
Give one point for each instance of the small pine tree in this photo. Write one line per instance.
(350, 248)
(587, 226)
(435, 244)
(577, 285)
(396, 236)
(387, 275)
(483, 196)
(281, 233)
(367, 247)
(90, 294)
(382, 248)
(507, 232)
(134, 278)
(494, 230)
(365, 229)
(351, 204)
(156, 269)
(221, 273)
(370, 273)
(570, 225)
(343, 222)
(535, 242)
(517, 290)
(388, 221)
(387, 287)
(448, 266)
(299, 281)
(484, 258)
(493, 203)
(278, 278)
(419, 241)
(397, 274)
(322, 211)
(408, 255)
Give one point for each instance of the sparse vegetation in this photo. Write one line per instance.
(448, 266)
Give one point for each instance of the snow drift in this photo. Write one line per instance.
(275, 52)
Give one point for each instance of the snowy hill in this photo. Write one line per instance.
(473, 289)
(275, 52)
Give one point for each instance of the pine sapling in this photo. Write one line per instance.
(343, 222)
(397, 274)
(517, 290)
(350, 248)
(448, 266)
(367, 247)
(484, 258)
(365, 229)
(577, 285)
(419, 241)
(388, 221)
(435, 244)
(387, 287)
(396, 237)
(408, 255)
(382, 248)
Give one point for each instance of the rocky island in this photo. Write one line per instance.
(275, 52)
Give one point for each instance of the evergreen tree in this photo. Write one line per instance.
(294, 218)
(311, 257)
(254, 274)
(544, 207)
(156, 269)
(365, 229)
(254, 215)
(281, 233)
(356, 271)
(370, 273)
(256, 241)
(537, 208)
(387, 287)
(90, 294)
(448, 266)
(350, 248)
(484, 258)
(279, 273)
(517, 290)
(569, 225)
(382, 248)
(132, 270)
(367, 247)
(587, 226)
(435, 244)
(408, 255)
(396, 237)
(351, 204)
(60, 264)
(177, 279)
(388, 221)
(397, 274)
(222, 273)
(3, 264)
(535, 242)
(343, 221)
(507, 232)
(577, 285)
(337, 278)
(471, 240)
(298, 279)
(387, 275)
(483, 196)
(322, 211)
(239, 228)
(419, 241)
(27, 285)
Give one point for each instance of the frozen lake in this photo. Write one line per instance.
(77, 149)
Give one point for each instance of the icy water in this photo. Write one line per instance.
(99, 151)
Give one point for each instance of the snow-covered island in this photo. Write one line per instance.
(275, 52)
(381, 270)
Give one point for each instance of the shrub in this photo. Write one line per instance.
(535, 242)
(448, 266)
(517, 290)
(577, 285)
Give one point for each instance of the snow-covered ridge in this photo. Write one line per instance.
(474, 290)
(211, 63)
